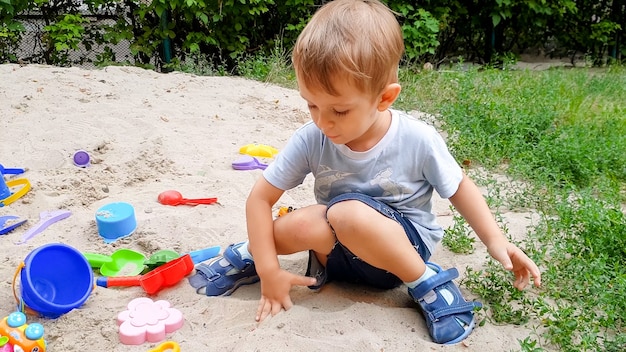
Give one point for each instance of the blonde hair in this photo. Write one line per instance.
(360, 40)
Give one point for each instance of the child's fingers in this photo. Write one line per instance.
(301, 280)
(264, 309)
(287, 304)
(522, 279)
(536, 275)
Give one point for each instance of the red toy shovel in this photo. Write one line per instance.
(153, 281)
(173, 197)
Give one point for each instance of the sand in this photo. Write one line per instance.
(148, 132)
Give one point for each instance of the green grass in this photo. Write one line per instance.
(559, 137)
(561, 127)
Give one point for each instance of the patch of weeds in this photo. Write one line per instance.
(505, 303)
(584, 275)
(530, 345)
(198, 64)
(274, 68)
(458, 238)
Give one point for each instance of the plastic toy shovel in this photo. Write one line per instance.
(9, 222)
(173, 197)
(10, 171)
(152, 282)
(247, 162)
(123, 262)
(46, 218)
(165, 255)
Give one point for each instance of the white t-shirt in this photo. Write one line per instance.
(401, 170)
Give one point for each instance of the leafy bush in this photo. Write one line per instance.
(165, 32)
(10, 28)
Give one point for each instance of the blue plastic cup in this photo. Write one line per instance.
(55, 279)
(5, 192)
(115, 220)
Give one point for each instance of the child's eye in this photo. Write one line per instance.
(311, 107)
(341, 113)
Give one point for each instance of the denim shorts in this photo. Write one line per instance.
(343, 265)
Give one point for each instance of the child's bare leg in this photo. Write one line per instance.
(375, 239)
(382, 242)
(304, 229)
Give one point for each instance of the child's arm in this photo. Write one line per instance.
(471, 204)
(260, 225)
(275, 282)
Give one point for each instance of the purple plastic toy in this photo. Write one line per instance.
(81, 158)
(247, 162)
(46, 218)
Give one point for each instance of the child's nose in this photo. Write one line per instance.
(324, 121)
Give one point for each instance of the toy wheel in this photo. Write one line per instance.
(34, 331)
(16, 319)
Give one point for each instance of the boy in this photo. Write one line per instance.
(375, 169)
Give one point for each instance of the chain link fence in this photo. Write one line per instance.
(35, 48)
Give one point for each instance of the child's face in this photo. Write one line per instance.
(351, 118)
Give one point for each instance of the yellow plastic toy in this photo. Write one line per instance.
(260, 150)
(166, 346)
(7, 198)
(284, 210)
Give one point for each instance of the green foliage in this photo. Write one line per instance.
(586, 272)
(65, 35)
(493, 284)
(198, 64)
(10, 29)
(162, 30)
(10, 36)
(227, 31)
(582, 227)
(487, 31)
(274, 68)
(530, 345)
(458, 237)
(10, 8)
(420, 30)
(597, 29)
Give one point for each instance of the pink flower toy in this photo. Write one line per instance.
(147, 320)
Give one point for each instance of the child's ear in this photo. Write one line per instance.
(389, 95)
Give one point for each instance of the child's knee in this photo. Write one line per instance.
(349, 216)
(304, 225)
(338, 215)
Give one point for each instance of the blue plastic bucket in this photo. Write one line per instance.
(55, 279)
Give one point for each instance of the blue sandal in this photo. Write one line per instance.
(212, 279)
(448, 323)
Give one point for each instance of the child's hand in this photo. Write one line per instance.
(275, 292)
(514, 259)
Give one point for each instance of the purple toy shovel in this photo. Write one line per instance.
(46, 218)
(247, 162)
